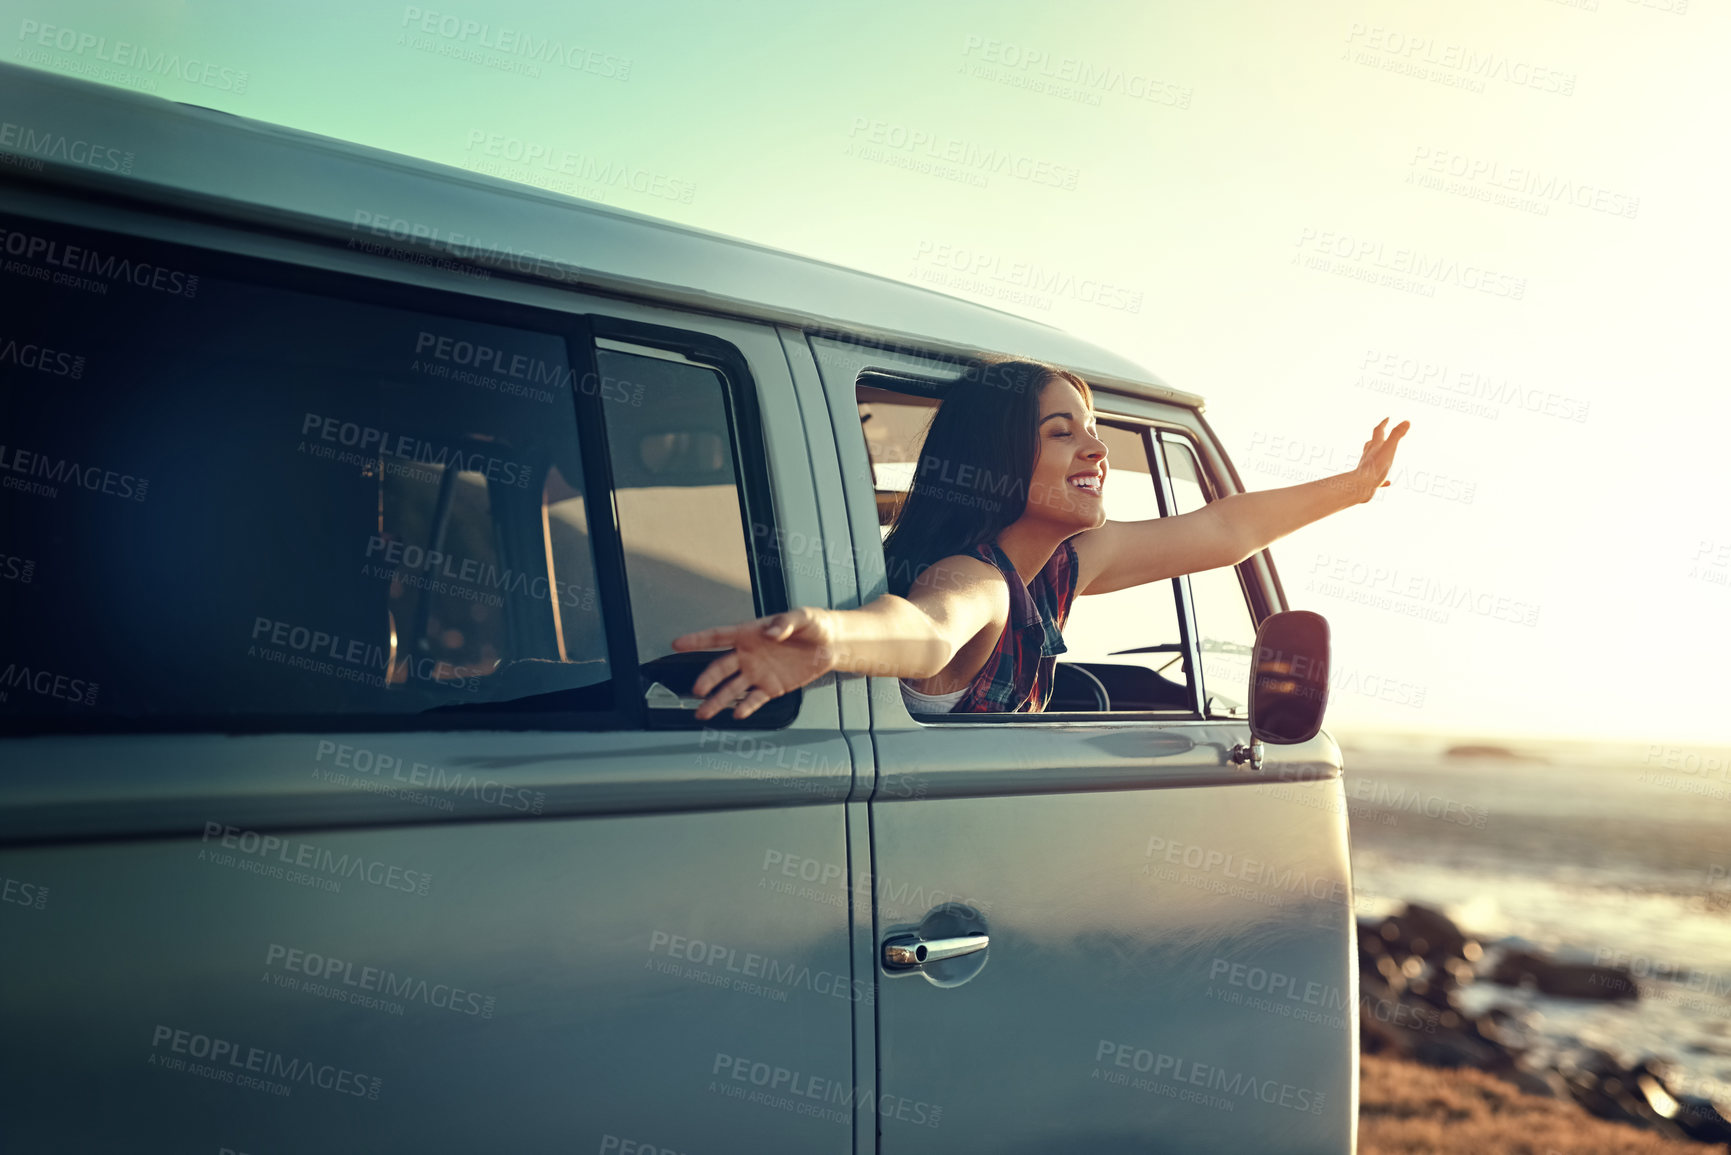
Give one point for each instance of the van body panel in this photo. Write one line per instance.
(1125, 1000)
(957, 759)
(1171, 957)
(104, 786)
(1178, 933)
(832, 552)
(559, 980)
(862, 910)
(420, 940)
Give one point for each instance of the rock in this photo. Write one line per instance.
(1518, 968)
(1431, 934)
(1702, 1120)
(1490, 750)
(1543, 1083)
(1411, 966)
(1598, 1083)
(1595, 1061)
(1512, 1029)
(1690, 1116)
(1457, 1049)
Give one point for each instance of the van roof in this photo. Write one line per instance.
(256, 171)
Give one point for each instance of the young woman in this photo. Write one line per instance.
(1003, 528)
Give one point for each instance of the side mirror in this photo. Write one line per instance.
(1289, 681)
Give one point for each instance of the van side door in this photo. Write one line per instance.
(1133, 941)
(347, 769)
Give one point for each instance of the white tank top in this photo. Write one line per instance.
(918, 703)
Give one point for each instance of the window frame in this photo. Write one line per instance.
(1258, 575)
(1258, 605)
(1244, 571)
(578, 331)
(756, 500)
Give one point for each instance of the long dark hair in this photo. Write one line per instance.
(971, 479)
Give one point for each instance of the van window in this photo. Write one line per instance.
(894, 426)
(1224, 623)
(1130, 638)
(677, 491)
(264, 496)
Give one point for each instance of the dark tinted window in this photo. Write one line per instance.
(236, 497)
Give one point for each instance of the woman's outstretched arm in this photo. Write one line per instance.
(891, 636)
(1120, 554)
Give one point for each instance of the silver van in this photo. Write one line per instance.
(352, 798)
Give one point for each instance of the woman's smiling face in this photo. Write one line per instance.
(1070, 468)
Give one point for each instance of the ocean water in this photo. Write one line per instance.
(1615, 860)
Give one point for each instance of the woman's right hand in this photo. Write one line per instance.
(769, 657)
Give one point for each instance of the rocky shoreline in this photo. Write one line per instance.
(1408, 1109)
(1412, 966)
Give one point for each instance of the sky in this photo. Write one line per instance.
(1500, 220)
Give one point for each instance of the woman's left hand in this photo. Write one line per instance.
(1378, 458)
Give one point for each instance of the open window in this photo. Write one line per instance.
(894, 423)
(1132, 641)
(1128, 651)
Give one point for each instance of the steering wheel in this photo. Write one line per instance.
(1102, 700)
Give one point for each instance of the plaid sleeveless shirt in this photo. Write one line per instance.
(1017, 677)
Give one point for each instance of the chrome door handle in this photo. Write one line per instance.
(910, 950)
